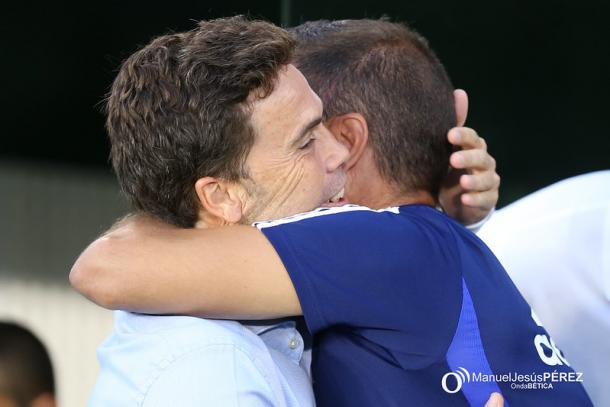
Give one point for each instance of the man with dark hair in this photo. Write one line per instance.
(399, 88)
(185, 85)
(293, 164)
(195, 120)
(26, 373)
(396, 83)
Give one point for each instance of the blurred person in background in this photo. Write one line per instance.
(26, 372)
(555, 245)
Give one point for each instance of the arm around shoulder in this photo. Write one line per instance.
(87, 275)
(230, 272)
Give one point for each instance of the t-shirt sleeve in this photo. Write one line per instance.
(371, 270)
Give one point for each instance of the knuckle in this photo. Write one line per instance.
(477, 199)
(490, 163)
(487, 181)
(470, 134)
(486, 159)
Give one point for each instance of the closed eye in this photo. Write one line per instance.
(308, 144)
(307, 134)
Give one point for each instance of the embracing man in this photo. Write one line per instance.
(393, 296)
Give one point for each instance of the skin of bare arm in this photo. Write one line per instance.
(144, 265)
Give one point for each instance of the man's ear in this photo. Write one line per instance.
(352, 131)
(219, 199)
(460, 98)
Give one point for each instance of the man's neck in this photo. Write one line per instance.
(366, 187)
(381, 195)
(415, 198)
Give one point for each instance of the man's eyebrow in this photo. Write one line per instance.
(303, 132)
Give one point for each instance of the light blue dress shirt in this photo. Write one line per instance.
(175, 361)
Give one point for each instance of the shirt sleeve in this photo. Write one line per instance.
(215, 375)
(374, 271)
(475, 227)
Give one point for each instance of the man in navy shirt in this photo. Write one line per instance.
(400, 298)
(408, 307)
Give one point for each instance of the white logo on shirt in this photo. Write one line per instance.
(543, 343)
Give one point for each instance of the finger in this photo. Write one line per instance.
(496, 400)
(482, 200)
(473, 160)
(460, 98)
(466, 138)
(480, 182)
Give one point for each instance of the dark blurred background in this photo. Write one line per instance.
(536, 72)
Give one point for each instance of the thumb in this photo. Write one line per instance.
(496, 400)
(460, 99)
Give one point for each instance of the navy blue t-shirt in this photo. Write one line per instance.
(408, 308)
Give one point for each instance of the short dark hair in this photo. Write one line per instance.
(178, 110)
(388, 73)
(26, 371)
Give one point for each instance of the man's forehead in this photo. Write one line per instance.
(292, 100)
(292, 87)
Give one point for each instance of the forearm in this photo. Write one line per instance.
(231, 272)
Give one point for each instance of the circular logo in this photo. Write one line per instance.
(458, 379)
(461, 376)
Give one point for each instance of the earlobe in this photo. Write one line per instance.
(352, 131)
(219, 201)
